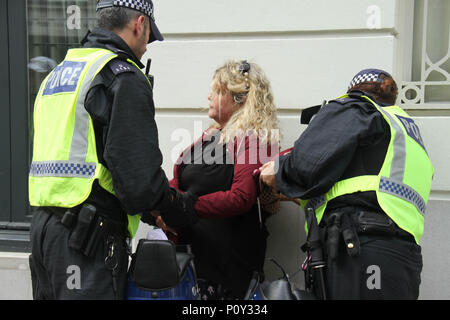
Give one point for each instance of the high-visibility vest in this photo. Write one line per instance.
(403, 184)
(65, 162)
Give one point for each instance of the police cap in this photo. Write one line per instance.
(368, 75)
(144, 6)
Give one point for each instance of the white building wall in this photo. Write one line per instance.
(309, 49)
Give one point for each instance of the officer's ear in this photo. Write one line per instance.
(139, 25)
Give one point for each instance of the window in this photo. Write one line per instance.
(37, 34)
(54, 26)
(429, 87)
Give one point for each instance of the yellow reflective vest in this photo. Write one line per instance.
(403, 184)
(65, 162)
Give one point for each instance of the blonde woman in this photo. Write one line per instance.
(229, 239)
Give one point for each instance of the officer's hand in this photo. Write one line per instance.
(160, 223)
(267, 175)
(179, 212)
(149, 217)
(155, 213)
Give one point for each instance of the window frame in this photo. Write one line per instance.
(15, 215)
(5, 159)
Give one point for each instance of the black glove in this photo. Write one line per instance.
(177, 209)
(148, 218)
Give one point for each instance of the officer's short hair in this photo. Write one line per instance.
(116, 18)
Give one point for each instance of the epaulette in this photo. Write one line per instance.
(118, 66)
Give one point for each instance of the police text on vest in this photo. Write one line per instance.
(64, 78)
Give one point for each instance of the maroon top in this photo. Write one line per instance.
(229, 240)
(242, 195)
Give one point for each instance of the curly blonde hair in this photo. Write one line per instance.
(252, 94)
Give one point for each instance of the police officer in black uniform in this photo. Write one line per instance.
(371, 258)
(120, 104)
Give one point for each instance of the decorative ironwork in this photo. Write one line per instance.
(414, 93)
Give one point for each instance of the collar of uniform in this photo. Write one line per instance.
(359, 93)
(102, 38)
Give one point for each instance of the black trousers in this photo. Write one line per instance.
(59, 272)
(387, 268)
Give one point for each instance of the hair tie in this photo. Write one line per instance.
(244, 68)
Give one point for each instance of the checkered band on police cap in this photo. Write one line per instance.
(367, 75)
(144, 6)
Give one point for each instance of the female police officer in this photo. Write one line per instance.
(362, 166)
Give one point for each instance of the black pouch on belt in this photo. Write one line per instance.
(333, 234)
(82, 232)
(94, 237)
(374, 223)
(350, 236)
(340, 224)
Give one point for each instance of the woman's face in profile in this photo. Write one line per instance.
(221, 104)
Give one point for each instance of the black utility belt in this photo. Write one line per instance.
(378, 223)
(349, 224)
(87, 227)
(370, 222)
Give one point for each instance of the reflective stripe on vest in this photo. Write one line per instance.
(399, 200)
(403, 191)
(63, 169)
(60, 176)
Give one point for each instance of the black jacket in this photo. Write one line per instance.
(120, 103)
(347, 138)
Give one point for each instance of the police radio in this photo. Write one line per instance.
(150, 77)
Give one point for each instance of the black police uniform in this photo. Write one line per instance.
(120, 103)
(349, 138)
